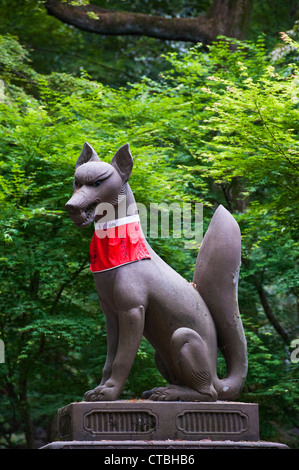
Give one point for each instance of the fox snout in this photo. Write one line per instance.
(76, 203)
(80, 209)
(72, 207)
(76, 215)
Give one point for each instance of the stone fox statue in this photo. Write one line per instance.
(141, 295)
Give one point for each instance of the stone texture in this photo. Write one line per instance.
(168, 444)
(158, 421)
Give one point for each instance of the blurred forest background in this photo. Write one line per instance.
(211, 121)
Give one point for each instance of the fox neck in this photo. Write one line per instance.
(124, 204)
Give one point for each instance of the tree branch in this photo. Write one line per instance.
(268, 311)
(63, 286)
(226, 17)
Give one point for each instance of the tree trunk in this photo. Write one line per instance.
(230, 18)
(24, 410)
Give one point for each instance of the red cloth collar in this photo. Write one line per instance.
(116, 243)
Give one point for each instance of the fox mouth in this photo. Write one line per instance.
(89, 214)
(85, 216)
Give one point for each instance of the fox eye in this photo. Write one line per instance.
(97, 183)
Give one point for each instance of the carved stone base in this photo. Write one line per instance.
(145, 420)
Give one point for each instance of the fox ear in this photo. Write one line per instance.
(123, 162)
(88, 154)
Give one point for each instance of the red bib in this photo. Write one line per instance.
(116, 243)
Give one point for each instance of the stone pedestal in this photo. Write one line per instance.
(150, 420)
(145, 424)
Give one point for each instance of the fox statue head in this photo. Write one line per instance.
(98, 182)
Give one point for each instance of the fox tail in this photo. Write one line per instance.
(216, 277)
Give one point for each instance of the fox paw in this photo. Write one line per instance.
(179, 393)
(101, 393)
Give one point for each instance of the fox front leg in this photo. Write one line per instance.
(130, 328)
(112, 342)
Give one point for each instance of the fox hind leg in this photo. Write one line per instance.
(190, 354)
(164, 371)
(192, 369)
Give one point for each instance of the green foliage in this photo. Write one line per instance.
(115, 60)
(219, 126)
(49, 318)
(234, 120)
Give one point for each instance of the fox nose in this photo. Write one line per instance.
(71, 207)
